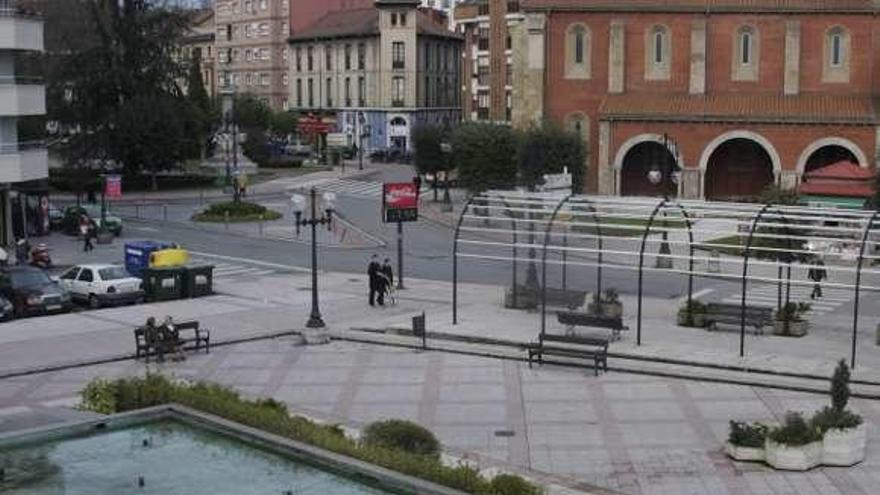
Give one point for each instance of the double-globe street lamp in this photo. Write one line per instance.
(299, 203)
(667, 173)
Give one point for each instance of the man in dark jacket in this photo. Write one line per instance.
(817, 274)
(386, 277)
(373, 272)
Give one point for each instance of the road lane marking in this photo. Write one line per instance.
(237, 259)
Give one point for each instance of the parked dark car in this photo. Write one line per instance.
(7, 311)
(32, 292)
(56, 218)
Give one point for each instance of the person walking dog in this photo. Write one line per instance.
(817, 274)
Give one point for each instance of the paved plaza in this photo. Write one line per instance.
(628, 433)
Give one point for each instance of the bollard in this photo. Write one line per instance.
(261, 225)
(164, 213)
(141, 481)
(226, 220)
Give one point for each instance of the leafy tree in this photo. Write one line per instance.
(284, 124)
(252, 113)
(485, 156)
(429, 157)
(548, 150)
(202, 117)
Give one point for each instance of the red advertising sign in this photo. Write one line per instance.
(113, 186)
(400, 202)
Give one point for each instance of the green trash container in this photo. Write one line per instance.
(198, 281)
(163, 284)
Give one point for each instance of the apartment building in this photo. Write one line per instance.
(198, 44)
(23, 164)
(389, 66)
(251, 45)
(488, 57)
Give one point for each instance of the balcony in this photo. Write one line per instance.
(23, 161)
(21, 96)
(19, 30)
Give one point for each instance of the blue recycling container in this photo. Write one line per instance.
(137, 255)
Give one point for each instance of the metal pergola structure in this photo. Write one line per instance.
(626, 232)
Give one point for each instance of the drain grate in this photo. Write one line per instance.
(504, 433)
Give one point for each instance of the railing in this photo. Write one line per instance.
(12, 148)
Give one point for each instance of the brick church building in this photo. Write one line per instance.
(710, 99)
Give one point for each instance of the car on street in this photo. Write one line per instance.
(7, 311)
(32, 292)
(56, 218)
(72, 215)
(101, 285)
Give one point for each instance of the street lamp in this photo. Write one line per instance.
(446, 149)
(230, 121)
(298, 202)
(669, 175)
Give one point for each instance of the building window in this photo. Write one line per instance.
(329, 92)
(328, 57)
(483, 39)
(483, 75)
(299, 93)
(311, 87)
(746, 54)
(403, 18)
(284, 104)
(229, 32)
(658, 51)
(394, 18)
(348, 91)
(483, 8)
(299, 59)
(397, 91)
(347, 57)
(398, 55)
(285, 28)
(482, 105)
(264, 79)
(836, 57)
(362, 56)
(577, 57)
(310, 58)
(362, 91)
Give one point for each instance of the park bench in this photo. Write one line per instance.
(530, 298)
(573, 319)
(590, 348)
(756, 316)
(146, 345)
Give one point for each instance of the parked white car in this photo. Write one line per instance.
(102, 284)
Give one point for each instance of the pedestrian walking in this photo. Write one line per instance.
(817, 274)
(86, 229)
(373, 270)
(387, 274)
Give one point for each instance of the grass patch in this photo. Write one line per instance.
(624, 227)
(236, 212)
(730, 245)
(127, 394)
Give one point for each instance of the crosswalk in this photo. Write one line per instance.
(767, 295)
(231, 270)
(349, 187)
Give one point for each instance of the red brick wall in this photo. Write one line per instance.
(304, 12)
(720, 32)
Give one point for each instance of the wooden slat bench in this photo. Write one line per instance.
(590, 348)
(757, 317)
(530, 298)
(145, 346)
(573, 319)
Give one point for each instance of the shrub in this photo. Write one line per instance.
(268, 415)
(242, 211)
(795, 431)
(793, 311)
(403, 435)
(693, 307)
(829, 418)
(747, 435)
(840, 386)
(509, 484)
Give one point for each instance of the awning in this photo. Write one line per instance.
(834, 201)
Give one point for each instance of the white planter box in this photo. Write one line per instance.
(740, 453)
(844, 447)
(801, 458)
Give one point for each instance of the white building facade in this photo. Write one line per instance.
(377, 73)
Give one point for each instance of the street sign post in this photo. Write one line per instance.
(400, 203)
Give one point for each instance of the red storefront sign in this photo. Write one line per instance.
(113, 186)
(400, 202)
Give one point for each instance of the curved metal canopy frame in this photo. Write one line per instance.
(858, 284)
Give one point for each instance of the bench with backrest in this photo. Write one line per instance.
(147, 343)
(573, 319)
(757, 317)
(530, 298)
(590, 348)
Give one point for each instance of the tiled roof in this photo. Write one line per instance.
(707, 6)
(845, 170)
(362, 22)
(738, 108)
(849, 190)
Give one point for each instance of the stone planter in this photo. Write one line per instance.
(844, 447)
(791, 458)
(740, 453)
(790, 328)
(698, 320)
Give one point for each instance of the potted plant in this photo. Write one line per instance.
(746, 441)
(692, 314)
(844, 432)
(607, 305)
(794, 446)
(790, 320)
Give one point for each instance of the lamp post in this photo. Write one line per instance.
(298, 201)
(668, 174)
(446, 148)
(231, 127)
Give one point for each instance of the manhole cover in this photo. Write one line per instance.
(354, 280)
(504, 433)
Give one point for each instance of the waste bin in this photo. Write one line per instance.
(198, 281)
(163, 284)
(137, 255)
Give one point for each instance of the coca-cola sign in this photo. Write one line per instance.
(400, 201)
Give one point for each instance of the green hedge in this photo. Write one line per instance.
(404, 435)
(67, 180)
(126, 394)
(238, 212)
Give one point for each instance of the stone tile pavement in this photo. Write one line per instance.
(629, 433)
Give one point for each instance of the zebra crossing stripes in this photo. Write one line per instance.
(349, 187)
(766, 295)
(224, 270)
